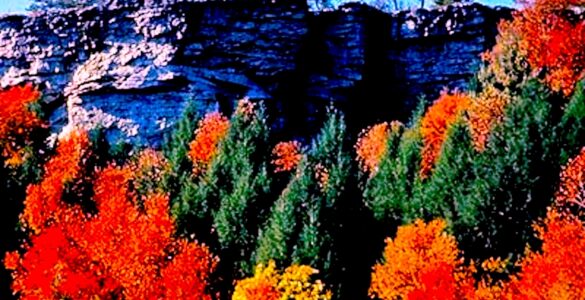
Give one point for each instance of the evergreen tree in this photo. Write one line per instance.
(224, 205)
(573, 125)
(391, 188)
(303, 220)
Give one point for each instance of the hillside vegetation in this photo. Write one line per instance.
(479, 196)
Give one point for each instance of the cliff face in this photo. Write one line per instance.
(133, 66)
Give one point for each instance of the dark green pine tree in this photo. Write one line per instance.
(391, 189)
(515, 176)
(446, 193)
(224, 205)
(303, 220)
(178, 181)
(572, 125)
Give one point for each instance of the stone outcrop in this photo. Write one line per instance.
(132, 66)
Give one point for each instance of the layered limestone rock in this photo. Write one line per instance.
(132, 66)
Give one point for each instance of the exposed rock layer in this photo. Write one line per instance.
(133, 66)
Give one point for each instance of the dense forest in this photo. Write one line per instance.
(480, 195)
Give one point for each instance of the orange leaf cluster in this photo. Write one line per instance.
(484, 112)
(553, 41)
(17, 122)
(422, 262)
(246, 108)
(149, 168)
(287, 156)
(556, 272)
(210, 132)
(322, 176)
(372, 146)
(117, 250)
(434, 125)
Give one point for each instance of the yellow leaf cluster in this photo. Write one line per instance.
(270, 284)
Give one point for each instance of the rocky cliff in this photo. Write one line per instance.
(132, 66)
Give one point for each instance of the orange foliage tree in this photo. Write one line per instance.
(17, 122)
(372, 146)
(435, 124)
(287, 156)
(116, 248)
(553, 38)
(422, 262)
(211, 130)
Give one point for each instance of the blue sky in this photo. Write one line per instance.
(20, 5)
(13, 5)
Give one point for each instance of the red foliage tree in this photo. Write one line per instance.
(43, 203)
(125, 248)
(555, 272)
(17, 122)
(553, 41)
(212, 129)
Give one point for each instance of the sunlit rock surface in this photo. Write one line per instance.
(132, 66)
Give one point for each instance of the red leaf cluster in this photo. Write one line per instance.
(17, 121)
(212, 129)
(118, 250)
(553, 41)
(556, 272)
(287, 156)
